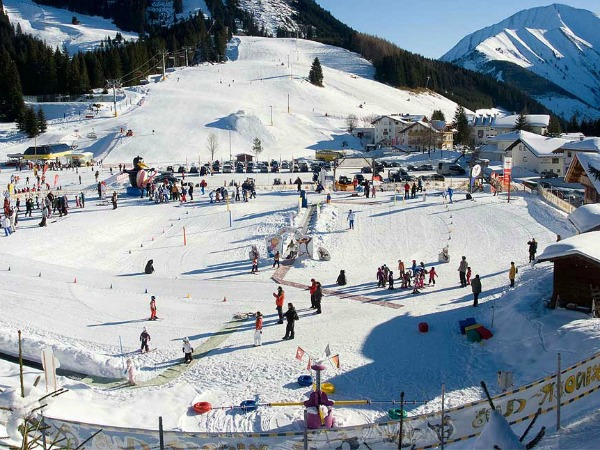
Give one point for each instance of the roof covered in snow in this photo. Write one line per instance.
(591, 144)
(586, 160)
(586, 217)
(586, 245)
(535, 120)
(537, 144)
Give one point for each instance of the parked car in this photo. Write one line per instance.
(433, 177)
(227, 167)
(193, 169)
(164, 176)
(360, 177)
(181, 169)
(170, 169)
(366, 169)
(285, 165)
(424, 167)
(411, 167)
(548, 174)
(263, 168)
(240, 168)
(303, 166)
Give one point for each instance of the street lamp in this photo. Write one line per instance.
(271, 114)
(230, 144)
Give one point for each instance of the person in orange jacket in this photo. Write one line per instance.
(153, 308)
(279, 300)
(312, 290)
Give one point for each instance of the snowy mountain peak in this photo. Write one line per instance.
(558, 43)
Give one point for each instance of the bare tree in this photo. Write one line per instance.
(212, 145)
(351, 122)
(257, 147)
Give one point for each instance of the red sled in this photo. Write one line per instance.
(484, 333)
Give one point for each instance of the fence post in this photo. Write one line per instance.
(558, 393)
(443, 414)
(401, 420)
(305, 429)
(160, 434)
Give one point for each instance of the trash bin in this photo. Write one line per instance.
(304, 200)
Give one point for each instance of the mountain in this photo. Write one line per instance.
(550, 52)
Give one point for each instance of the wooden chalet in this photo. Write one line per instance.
(576, 269)
(580, 171)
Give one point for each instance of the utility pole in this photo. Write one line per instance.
(164, 74)
(114, 84)
(230, 144)
(271, 115)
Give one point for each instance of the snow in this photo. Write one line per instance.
(586, 217)
(497, 434)
(557, 42)
(585, 244)
(54, 26)
(78, 286)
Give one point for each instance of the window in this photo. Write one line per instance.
(569, 154)
(521, 147)
(480, 134)
(524, 158)
(555, 160)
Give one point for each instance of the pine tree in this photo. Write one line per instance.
(11, 97)
(42, 124)
(257, 147)
(28, 123)
(461, 123)
(438, 115)
(315, 76)
(554, 127)
(522, 122)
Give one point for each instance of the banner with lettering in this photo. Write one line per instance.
(419, 432)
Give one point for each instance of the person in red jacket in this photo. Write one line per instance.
(258, 329)
(432, 275)
(312, 290)
(279, 300)
(153, 308)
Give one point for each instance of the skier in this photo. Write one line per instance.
(149, 267)
(145, 339)
(462, 271)
(450, 193)
(351, 217)
(468, 276)
(380, 277)
(391, 281)
(312, 289)
(341, 279)
(512, 273)
(532, 249)
(254, 265)
(476, 288)
(187, 350)
(258, 329)
(130, 371)
(279, 299)
(276, 259)
(153, 308)
(432, 275)
(114, 200)
(291, 316)
(318, 297)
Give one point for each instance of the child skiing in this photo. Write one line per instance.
(351, 217)
(130, 371)
(468, 275)
(432, 275)
(145, 339)
(187, 350)
(258, 329)
(153, 308)
(254, 265)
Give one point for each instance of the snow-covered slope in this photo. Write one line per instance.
(557, 42)
(236, 102)
(54, 26)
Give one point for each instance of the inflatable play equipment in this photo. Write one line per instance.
(305, 380)
(139, 176)
(326, 387)
(323, 254)
(248, 405)
(444, 256)
(396, 413)
(318, 406)
(202, 407)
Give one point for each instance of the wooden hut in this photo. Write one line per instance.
(576, 269)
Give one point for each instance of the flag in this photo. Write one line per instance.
(327, 351)
(55, 179)
(336, 360)
(309, 364)
(299, 354)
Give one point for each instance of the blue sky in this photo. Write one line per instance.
(431, 27)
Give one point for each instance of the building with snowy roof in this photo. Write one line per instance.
(570, 149)
(486, 126)
(584, 169)
(576, 269)
(586, 218)
(47, 152)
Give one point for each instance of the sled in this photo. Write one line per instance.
(323, 254)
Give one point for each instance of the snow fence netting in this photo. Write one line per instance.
(421, 432)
